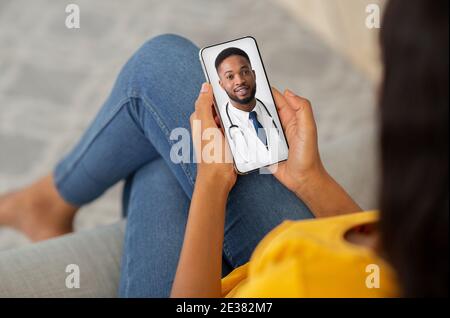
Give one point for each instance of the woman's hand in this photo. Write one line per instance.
(304, 163)
(303, 172)
(215, 163)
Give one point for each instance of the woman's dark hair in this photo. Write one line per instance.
(414, 104)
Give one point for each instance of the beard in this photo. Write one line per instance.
(246, 100)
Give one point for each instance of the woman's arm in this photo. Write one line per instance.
(324, 196)
(200, 265)
(199, 269)
(303, 172)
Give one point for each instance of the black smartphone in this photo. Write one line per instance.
(245, 104)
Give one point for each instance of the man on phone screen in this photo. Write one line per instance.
(253, 133)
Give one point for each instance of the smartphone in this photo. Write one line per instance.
(244, 103)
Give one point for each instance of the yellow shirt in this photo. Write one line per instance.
(311, 258)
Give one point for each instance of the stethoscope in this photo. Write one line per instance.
(233, 126)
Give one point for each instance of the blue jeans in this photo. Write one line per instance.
(129, 139)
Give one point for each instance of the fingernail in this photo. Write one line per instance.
(289, 93)
(204, 88)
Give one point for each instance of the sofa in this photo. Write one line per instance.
(42, 269)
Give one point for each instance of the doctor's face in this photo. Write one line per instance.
(238, 79)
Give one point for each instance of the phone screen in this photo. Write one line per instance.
(245, 104)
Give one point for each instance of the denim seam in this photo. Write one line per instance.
(127, 273)
(227, 253)
(164, 128)
(127, 282)
(81, 153)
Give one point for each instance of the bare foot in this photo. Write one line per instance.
(37, 210)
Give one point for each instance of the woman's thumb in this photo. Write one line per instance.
(205, 100)
(302, 108)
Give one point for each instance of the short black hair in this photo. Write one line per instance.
(230, 52)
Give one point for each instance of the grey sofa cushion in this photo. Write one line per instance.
(39, 270)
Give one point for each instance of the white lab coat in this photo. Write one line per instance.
(248, 150)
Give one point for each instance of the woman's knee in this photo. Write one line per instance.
(167, 44)
(162, 64)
